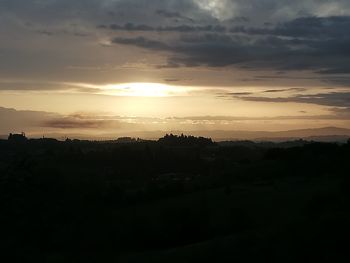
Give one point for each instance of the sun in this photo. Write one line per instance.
(142, 89)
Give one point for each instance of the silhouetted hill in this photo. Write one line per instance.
(179, 199)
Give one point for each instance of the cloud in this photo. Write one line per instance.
(169, 14)
(333, 99)
(253, 35)
(172, 14)
(303, 27)
(339, 115)
(209, 49)
(309, 43)
(142, 42)
(178, 28)
(239, 19)
(239, 93)
(172, 80)
(17, 121)
(73, 122)
(30, 85)
(39, 121)
(274, 90)
(283, 90)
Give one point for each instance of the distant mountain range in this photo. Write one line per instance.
(326, 134)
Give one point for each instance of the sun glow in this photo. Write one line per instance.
(139, 89)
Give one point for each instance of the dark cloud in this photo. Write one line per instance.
(273, 90)
(72, 122)
(172, 14)
(169, 14)
(304, 27)
(239, 19)
(179, 28)
(45, 32)
(245, 95)
(283, 90)
(63, 32)
(172, 80)
(333, 99)
(142, 42)
(128, 27)
(215, 50)
(238, 93)
(311, 43)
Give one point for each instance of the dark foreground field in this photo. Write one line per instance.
(176, 200)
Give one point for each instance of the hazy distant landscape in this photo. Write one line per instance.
(36, 124)
(327, 134)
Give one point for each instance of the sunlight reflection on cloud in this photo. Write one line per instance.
(144, 90)
(217, 8)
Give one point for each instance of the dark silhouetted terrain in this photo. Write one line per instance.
(325, 134)
(179, 199)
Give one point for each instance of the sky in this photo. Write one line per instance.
(115, 67)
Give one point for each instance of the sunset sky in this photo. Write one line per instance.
(105, 67)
